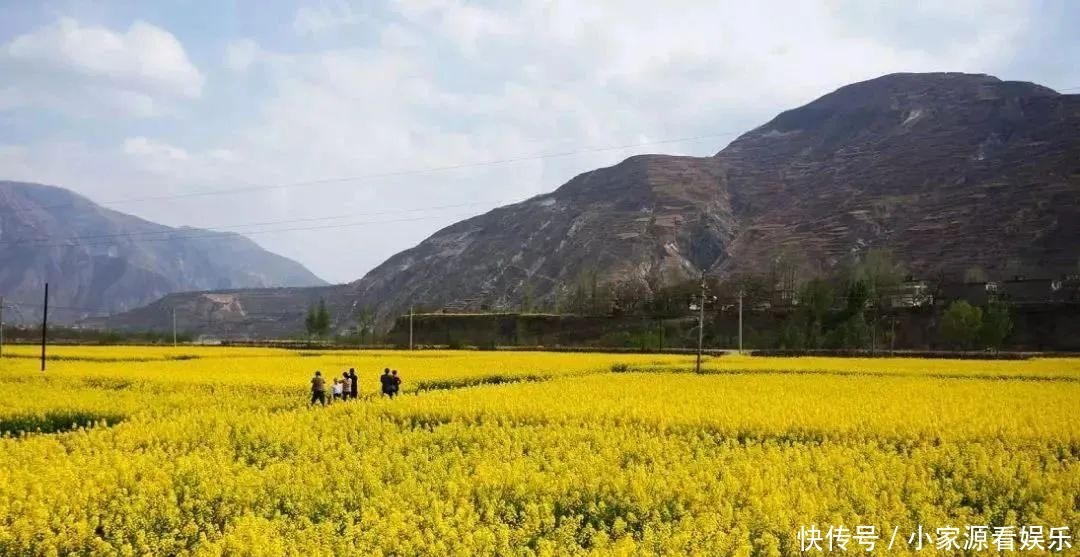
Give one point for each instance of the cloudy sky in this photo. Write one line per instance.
(349, 131)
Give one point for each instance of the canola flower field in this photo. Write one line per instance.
(214, 451)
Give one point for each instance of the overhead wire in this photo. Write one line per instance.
(224, 236)
(216, 233)
(52, 307)
(410, 172)
(171, 233)
(211, 234)
(393, 174)
(210, 231)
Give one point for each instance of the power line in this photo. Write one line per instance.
(410, 172)
(249, 189)
(219, 235)
(496, 162)
(399, 173)
(102, 313)
(42, 242)
(51, 306)
(169, 234)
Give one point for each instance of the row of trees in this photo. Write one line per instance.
(317, 320)
(966, 326)
(92, 336)
(782, 284)
(851, 307)
(319, 324)
(863, 322)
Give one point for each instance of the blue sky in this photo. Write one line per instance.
(128, 100)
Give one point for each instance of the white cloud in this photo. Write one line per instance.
(223, 155)
(143, 147)
(169, 165)
(241, 54)
(68, 66)
(11, 97)
(438, 83)
(463, 23)
(746, 56)
(322, 16)
(14, 162)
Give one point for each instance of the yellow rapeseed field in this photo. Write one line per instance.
(215, 451)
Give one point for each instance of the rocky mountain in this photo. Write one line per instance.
(949, 171)
(97, 260)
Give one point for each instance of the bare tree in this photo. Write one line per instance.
(629, 296)
(365, 323)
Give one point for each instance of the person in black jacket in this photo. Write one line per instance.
(355, 393)
(387, 383)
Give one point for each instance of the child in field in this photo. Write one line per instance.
(395, 383)
(337, 389)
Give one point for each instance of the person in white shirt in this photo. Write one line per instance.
(337, 390)
(346, 386)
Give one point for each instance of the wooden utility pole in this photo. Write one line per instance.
(892, 336)
(701, 324)
(740, 320)
(873, 332)
(873, 329)
(44, 325)
(410, 327)
(174, 326)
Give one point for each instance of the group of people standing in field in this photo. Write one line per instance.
(348, 386)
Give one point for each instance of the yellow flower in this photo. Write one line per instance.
(215, 451)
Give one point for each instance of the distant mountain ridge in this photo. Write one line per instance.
(98, 260)
(950, 171)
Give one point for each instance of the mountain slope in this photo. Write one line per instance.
(99, 260)
(949, 171)
(664, 215)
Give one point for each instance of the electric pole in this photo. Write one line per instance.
(174, 326)
(44, 325)
(873, 330)
(701, 324)
(1, 326)
(873, 333)
(410, 327)
(740, 320)
(892, 337)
